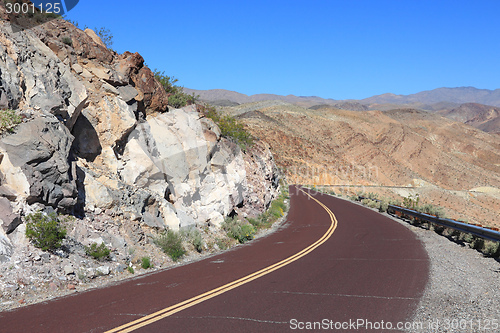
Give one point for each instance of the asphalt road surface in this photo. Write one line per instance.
(332, 266)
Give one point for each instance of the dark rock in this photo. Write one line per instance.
(41, 148)
(8, 219)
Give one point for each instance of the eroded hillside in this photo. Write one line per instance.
(448, 163)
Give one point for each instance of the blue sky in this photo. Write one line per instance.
(332, 49)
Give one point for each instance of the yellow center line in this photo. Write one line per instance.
(149, 319)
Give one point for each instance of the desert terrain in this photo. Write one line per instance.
(395, 153)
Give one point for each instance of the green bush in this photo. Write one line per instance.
(193, 236)
(238, 230)
(67, 41)
(8, 120)
(229, 126)
(491, 249)
(130, 269)
(177, 98)
(45, 232)
(384, 206)
(98, 252)
(171, 243)
(105, 35)
(146, 263)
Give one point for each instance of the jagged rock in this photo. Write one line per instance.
(94, 37)
(33, 76)
(35, 163)
(5, 246)
(127, 93)
(8, 219)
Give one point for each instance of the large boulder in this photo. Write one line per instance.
(35, 163)
(182, 158)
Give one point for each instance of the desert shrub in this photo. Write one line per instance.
(432, 210)
(8, 120)
(239, 230)
(256, 222)
(354, 197)
(491, 248)
(171, 243)
(466, 237)
(98, 251)
(146, 263)
(229, 126)
(177, 98)
(384, 205)
(374, 204)
(67, 41)
(45, 231)
(130, 269)
(105, 35)
(222, 243)
(412, 201)
(477, 243)
(193, 236)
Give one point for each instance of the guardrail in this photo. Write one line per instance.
(475, 230)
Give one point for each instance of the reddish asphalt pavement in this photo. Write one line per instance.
(371, 268)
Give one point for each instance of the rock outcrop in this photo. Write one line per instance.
(98, 137)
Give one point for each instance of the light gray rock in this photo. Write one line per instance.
(127, 93)
(68, 270)
(6, 248)
(103, 270)
(32, 75)
(109, 88)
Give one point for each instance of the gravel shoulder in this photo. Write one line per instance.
(463, 292)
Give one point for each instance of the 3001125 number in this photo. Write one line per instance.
(25, 8)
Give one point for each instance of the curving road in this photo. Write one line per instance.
(333, 264)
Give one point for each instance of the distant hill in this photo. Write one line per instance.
(432, 100)
(454, 95)
(402, 147)
(479, 108)
(484, 117)
(218, 95)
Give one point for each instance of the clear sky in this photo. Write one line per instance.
(332, 49)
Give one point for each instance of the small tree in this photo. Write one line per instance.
(105, 35)
(45, 232)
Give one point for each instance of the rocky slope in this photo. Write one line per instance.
(448, 163)
(98, 141)
(483, 117)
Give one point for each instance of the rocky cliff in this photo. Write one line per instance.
(99, 141)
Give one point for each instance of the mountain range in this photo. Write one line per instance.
(479, 108)
(443, 96)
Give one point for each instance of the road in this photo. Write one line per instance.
(333, 262)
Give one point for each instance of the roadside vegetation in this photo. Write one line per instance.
(244, 230)
(9, 119)
(372, 200)
(229, 126)
(98, 251)
(177, 98)
(45, 231)
(171, 243)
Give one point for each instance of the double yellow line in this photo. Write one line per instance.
(159, 315)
